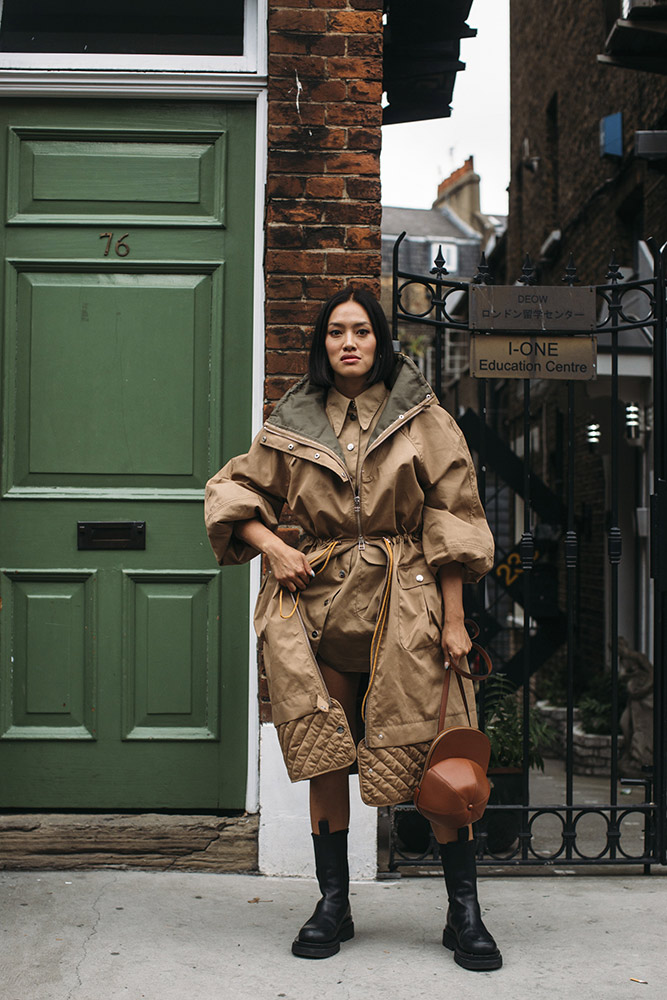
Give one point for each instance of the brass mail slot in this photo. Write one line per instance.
(111, 535)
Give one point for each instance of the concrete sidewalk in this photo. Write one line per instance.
(113, 935)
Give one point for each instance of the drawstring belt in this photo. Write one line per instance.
(381, 618)
(327, 553)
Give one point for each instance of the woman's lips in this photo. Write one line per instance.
(347, 359)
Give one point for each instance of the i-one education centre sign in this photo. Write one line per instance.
(538, 323)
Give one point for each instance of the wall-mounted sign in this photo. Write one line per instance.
(532, 307)
(517, 356)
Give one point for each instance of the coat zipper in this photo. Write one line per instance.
(357, 511)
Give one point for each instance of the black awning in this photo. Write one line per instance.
(639, 41)
(421, 57)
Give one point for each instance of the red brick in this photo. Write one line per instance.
(293, 212)
(330, 45)
(352, 262)
(285, 113)
(323, 237)
(362, 188)
(289, 363)
(291, 312)
(362, 238)
(364, 45)
(326, 90)
(365, 91)
(283, 88)
(288, 533)
(306, 137)
(307, 67)
(278, 287)
(297, 20)
(276, 387)
(354, 68)
(320, 287)
(296, 45)
(364, 138)
(351, 213)
(325, 187)
(330, 4)
(356, 21)
(294, 261)
(353, 163)
(364, 4)
(353, 114)
(299, 162)
(284, 339)
(285, 237)
(285, 187)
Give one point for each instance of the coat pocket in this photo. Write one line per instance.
(420, 606)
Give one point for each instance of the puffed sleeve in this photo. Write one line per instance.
(248, 486)
(454, 523)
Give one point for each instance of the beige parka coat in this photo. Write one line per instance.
(414, 509)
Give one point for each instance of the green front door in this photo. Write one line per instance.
(126, 347)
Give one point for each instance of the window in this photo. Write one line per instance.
(198, 27)
(201, 35)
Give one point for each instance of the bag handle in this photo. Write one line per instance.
(460, 672)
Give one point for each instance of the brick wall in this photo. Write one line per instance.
(323, 188)
(559, 92)
(323, 209)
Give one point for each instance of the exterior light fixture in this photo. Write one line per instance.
(633, 421)
(593, 434)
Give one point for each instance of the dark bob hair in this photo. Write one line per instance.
(319, 368)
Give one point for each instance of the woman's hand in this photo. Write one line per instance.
(455, 641)
(289, 566)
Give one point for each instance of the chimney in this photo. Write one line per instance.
(460, 192)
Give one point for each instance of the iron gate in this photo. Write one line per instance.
(549, 575)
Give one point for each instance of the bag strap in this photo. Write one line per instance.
(460, 672)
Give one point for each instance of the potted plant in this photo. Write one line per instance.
(504, 727)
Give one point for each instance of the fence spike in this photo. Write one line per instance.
(614, 273)
(439, 262)
(528, 272)
(483, 276)
(570, 277)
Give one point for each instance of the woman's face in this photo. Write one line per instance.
(350, 344)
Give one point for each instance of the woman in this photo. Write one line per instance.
(382, 486)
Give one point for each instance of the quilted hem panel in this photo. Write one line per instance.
(317, 743)
(388, 777)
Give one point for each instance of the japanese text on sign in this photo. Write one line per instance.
(531, 307)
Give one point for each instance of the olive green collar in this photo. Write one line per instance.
(302, 409)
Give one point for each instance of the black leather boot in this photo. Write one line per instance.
(331, 923)
(465, 933)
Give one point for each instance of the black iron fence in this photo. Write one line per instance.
(574, 477)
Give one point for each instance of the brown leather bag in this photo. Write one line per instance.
(454, 788)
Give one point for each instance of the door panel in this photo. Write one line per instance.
(126, 346)
(133, 176)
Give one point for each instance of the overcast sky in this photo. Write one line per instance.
(416, 156)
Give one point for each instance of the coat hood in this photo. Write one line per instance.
(302, 410)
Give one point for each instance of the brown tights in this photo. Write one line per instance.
(329, 793)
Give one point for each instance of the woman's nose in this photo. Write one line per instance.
(349, 342)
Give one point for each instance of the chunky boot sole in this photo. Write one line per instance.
(324, 949)
(474, 963)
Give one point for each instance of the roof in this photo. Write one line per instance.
(426, 223)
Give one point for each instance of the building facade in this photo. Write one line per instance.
(183, 187)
